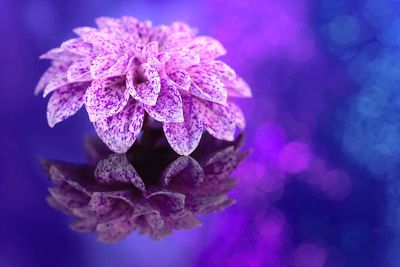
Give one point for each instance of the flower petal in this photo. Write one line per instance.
(180, 77)
(105, 98)
(119, 131)
(65, 102)
(207, 86)
(59, 54)
(84, 30)
(177, 39)
(119, 68)
(100, 65)
(79, 70)
(77, 46)
(207, 47)
(183, 58)
(238, 88)
(238, 114)
(58, 80)
(50, 74)
(222, 70)
(169, 104)
(117, 168)
(185, 136)
(218, 120)
(104, 41)
(147, 91)
(107, 22)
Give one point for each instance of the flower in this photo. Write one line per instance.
(124, 70)
(152, 192)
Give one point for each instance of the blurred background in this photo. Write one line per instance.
(321, 187)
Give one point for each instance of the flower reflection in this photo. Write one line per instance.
(148, 189)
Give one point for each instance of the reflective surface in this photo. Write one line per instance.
(148, 189)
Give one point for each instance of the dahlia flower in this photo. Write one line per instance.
(124, 70)
(116, 194)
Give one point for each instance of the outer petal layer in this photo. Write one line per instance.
(219, 121)
(185, 136)
(207, 86)
(119, 132)
(65, 102)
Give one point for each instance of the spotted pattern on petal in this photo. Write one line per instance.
(207, 47)
(148, 90)
(51, 75)
(238, 88)
(105, 98)
(65, 102)
(59, 80)
(185, 136)
(181, 78)
(238, 114)
(79, 70)
(183, 58)
(207, 86)
(220, 69)
(119, 131)
(218, 119)
(117, 168)
(169, 104)
(77, 46)
(100, 65)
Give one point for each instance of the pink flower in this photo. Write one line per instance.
(124, 70)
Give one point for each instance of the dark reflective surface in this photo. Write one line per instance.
(150, 189)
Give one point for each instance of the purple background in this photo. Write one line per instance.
(320, 188)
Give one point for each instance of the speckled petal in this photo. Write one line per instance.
(222, 70)
(147, 91)
(81, 31)
(151, 49)
(104, 41)
(207, 86)
(207, 47)
(183, 58)
(169, 104)
(58, 80)
(105, 98)
(107, 22)
(218, 120)
(117, 168)
(119, 132)
(180, 77)
(77, 46)
(100, 65)
(79, 71)
(238, 88)
(65, 102)
(185, 136)
(177, 40)
(49, 75)
(238, 114)
(60, 55)
(119, 68)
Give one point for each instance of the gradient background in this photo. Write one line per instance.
(321, 188)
